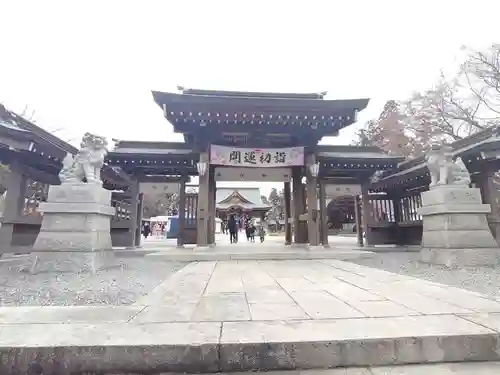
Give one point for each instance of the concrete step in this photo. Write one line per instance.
(247, 345)
(478, 368)
(222, 255)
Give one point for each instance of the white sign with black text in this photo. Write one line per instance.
(250, 157)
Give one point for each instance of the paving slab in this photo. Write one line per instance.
(260, 315)
(222, 307)
(68, 314)
(176, 312)
(277, 311)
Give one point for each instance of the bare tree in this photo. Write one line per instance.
(451, 110)
(482, 74)
(445, 113)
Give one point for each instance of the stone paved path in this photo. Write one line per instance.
(299, 290)
(244, 315)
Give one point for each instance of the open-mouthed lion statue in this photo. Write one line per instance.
(87, 164)
(444, 171)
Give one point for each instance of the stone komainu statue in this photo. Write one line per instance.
(87, 164)
(444, 171)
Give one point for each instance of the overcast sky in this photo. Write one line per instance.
(91, 65)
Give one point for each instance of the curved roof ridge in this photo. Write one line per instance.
(253, 94)
(236, 194)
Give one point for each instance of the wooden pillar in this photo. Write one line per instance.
(323, 213)
(133, 195)
(359, 224)
(288, 224)
(303, 212)
(202, 217)
(214, 203)
(211, 209)
(182, 212)
(367, 213)
(13, 206)
(396, 205)
(298, 204)
(140, 205)
(312, 203)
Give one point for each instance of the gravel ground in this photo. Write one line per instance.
(123, 285)
(484, 280)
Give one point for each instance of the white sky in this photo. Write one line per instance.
(91, 65)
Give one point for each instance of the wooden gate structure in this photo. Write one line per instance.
(387, 206)
(259, 122)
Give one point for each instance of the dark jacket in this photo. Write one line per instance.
(231, 224)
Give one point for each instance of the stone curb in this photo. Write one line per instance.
(306, 255)
(234, 346)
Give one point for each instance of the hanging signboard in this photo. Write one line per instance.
(250, 157)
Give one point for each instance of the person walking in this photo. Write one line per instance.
(247, 229)
(146, 230)
(262, 233)
(233, 229)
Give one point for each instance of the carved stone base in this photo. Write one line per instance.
(455, 228)
(461, 257)
(76, 219)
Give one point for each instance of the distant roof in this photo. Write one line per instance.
(248, 197)
(249, 193)
(13, 121)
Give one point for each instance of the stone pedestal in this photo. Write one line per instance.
(455, 228)
(75, 232)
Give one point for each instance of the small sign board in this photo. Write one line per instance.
(249, 157)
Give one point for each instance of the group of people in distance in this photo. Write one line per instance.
(153, 229)
(232, 226)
